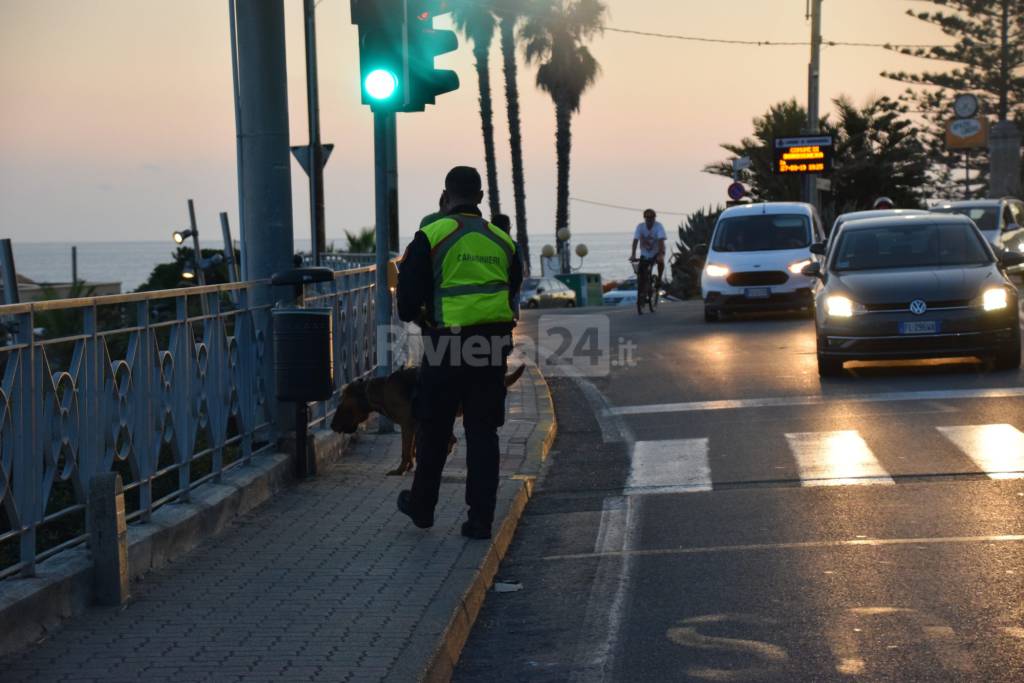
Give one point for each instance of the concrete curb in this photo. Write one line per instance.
(62, 587)
(441, 663)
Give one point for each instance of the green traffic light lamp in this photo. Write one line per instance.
(380, 84)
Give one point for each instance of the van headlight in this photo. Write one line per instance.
(842, 307)
(797, 268)
(715, 270)
(995, 299)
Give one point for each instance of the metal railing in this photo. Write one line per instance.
(337, 260)
(169, 388)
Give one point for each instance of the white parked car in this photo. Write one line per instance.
(756, 256)
(623, 295)
(1001, 221)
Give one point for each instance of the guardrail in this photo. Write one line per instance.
(168, 388)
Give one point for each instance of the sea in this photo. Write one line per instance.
(130, 263)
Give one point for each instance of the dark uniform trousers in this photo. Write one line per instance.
(447, 382)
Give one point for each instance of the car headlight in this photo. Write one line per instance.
(715, 270)
(797, 268)
(995, 299)
(842, 307)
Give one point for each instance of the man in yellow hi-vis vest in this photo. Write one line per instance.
(458, 280)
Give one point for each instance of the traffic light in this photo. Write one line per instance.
(381, 52)
(397, 47)
(424, 44)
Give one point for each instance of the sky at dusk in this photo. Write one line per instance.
(115, 112)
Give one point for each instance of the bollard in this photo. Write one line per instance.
(108, 539)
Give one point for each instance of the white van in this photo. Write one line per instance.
(755, 257)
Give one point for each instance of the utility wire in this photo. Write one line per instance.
(730, 41)
(764, 43)
(624, 208)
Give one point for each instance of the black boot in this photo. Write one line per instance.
(405, 507)
(476, 530)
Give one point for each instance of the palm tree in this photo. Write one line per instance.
(509, 12)
(362, 242)
(554, 37)
(476, 21)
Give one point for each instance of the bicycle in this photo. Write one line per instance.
(646, 294)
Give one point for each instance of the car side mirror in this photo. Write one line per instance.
(1009, 259)
(811, 270)
(1010, 227)
(701, 250)
(818, 248)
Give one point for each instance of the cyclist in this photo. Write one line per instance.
(650, 236)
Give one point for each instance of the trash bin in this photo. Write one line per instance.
(586, 285)
(303, 354)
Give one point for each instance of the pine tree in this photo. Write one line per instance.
(785, 119)
(988, 57)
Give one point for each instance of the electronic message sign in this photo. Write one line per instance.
(803, 155)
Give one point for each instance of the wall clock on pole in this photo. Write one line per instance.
(965, 106)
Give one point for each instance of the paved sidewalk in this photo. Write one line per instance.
(325, 582)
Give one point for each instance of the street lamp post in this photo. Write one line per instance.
(193, 232)
(198, 264)
(813, 94)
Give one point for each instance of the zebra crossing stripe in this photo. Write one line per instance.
(835, 459)
(675, 465)
(997, 449)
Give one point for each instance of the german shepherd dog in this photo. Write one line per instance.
(390, 396)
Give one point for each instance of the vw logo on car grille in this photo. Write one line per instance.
(918, 307)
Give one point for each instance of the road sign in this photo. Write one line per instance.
(737, 192)
(741, 164)
(803, 155)
(967, 133)
(303, 155)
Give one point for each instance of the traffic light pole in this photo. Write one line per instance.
(392, 160)
(382, 122)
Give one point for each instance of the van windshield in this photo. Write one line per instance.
(763, 232)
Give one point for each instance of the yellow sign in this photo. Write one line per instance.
(803, 155)
(967, 133)
(802, 160)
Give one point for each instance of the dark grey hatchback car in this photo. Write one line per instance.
(915, 287)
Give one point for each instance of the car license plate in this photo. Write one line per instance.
(920, 327)
(758, 292)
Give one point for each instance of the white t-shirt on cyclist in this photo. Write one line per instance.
(648, 239)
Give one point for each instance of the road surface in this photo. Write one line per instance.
(715, 512)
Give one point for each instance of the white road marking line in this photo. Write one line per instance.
(787, 401)
(673, 465)
(612, 532)
(594, 659)
(997, 450)
(835, 459)
(802, 545)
